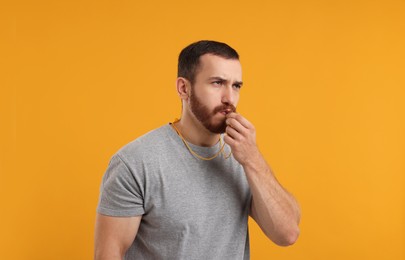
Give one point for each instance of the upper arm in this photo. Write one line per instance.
(114, 235)
(252, 211)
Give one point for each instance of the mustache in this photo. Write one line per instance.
(231, 107)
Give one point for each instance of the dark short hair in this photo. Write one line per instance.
(189, 57)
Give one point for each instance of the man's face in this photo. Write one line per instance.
(215, 91)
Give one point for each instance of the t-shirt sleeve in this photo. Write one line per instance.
(120, 192)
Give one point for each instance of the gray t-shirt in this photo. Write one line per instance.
(191, 208)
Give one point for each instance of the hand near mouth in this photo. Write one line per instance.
(273, 208)
(241, 137)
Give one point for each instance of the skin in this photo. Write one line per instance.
(217, 83)
(217, 86)
(273, 207)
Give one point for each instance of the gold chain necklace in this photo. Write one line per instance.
(194, 153)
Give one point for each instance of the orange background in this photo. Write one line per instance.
(324, 86)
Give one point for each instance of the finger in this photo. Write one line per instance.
(232, 133)
(240, 119)
(229, 140)
(235, 124)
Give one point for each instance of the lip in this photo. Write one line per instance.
(226, 111)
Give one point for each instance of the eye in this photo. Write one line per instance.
(238, 86)
(218, 82)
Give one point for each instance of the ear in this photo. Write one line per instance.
(183, 88)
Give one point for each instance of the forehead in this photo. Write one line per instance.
(215, 66)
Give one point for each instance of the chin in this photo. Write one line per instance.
(217, 129)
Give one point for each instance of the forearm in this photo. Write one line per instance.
(273, 208)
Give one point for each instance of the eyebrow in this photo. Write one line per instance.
(222, 79)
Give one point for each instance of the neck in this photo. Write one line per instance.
(194, 132)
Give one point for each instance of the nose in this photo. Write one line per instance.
(228, 95)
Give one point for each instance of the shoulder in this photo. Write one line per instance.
(145, 146)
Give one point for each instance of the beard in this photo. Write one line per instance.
(205, 116)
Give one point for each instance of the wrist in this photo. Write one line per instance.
(255, 162)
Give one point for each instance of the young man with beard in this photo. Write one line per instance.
(186, 189)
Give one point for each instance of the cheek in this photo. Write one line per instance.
(236, 99)
(212, 98)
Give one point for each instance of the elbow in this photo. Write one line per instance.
(288, 238)
(291, 237)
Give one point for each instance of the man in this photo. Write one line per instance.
(185, 190)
